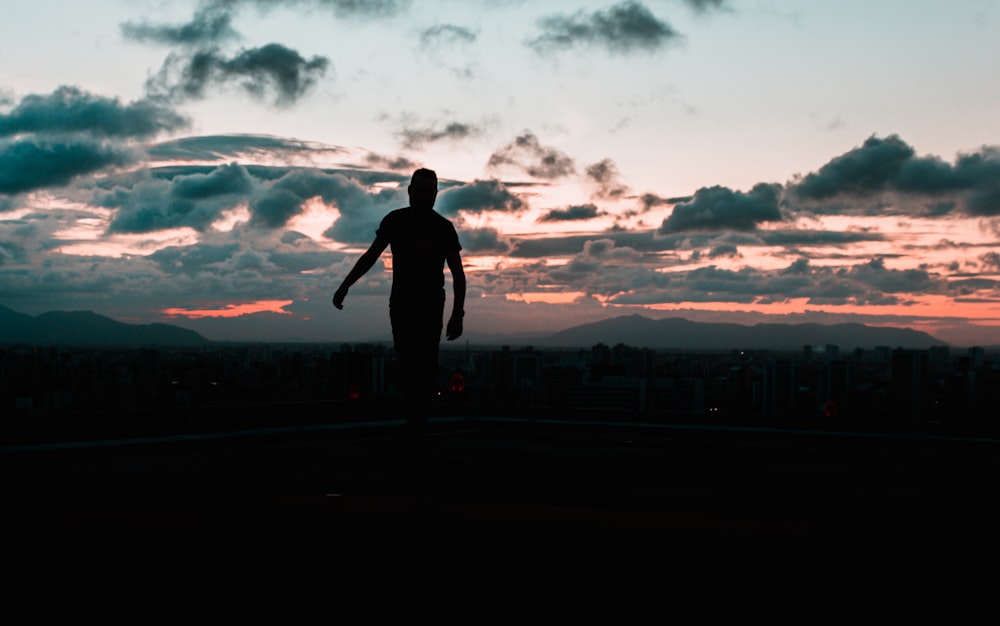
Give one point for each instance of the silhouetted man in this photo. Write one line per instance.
(422, 242)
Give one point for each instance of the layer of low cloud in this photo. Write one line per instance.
(575, 213)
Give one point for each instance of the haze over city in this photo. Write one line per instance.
(220, 165)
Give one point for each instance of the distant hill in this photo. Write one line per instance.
(683, 334)
(85, 328)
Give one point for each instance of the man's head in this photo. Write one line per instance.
(423, 188)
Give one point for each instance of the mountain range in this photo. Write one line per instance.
(86, 328)
(683, 334)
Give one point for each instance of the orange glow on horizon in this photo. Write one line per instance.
(929, 306)
(546, 297)
(935, 315)
(233, 310)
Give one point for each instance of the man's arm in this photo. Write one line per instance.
(454, 330)
(364, 264)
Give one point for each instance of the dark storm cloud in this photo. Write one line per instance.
(563, 245)
(604, 174)
(571, 214)
(717, 208)
(483, 240)
(623, 28)
(70, 109)
(527, 153)
(446, 34)
(885, 176)
(869, 168)
(192, 260)
(416, 138)
(210, 25)
(195, 200)
(37, 163)
(259, 71)
(286, 198)
(479, 196)
(196, 196)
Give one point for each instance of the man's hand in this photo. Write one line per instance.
(454, 330)
(338, 297)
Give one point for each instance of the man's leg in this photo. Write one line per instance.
(416, 341)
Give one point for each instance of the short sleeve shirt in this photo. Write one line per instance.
(420, 240)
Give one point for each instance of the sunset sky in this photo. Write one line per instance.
(220, 164)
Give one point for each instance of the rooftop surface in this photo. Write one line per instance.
(508, 484)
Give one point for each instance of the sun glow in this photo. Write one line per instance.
(233, 310)
(131, 244)
(547, 297)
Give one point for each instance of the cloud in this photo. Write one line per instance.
(483, 240)
(212, 21)
(149, 204)
(624, 28)
(705, 6)
(990, 260)
(259, 71)
(605, 268)
(649, 200)
(885, 176)
(563, 245)
(211, 24)
(37, 163)
(714, 208)
(803, 237)
(70, 109)
(604, 174)
(479, 196)
(416, 138)
(394, 163)
(193, 259)
(361, 9)
(198, 196)
(723, 250)
(446, 34)
(360, 210)
(226, 147)
(571, 214)
(869, 283)
(526, 153)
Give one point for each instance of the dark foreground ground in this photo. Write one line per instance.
(529, 493)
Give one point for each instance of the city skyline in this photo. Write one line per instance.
(219, 165)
